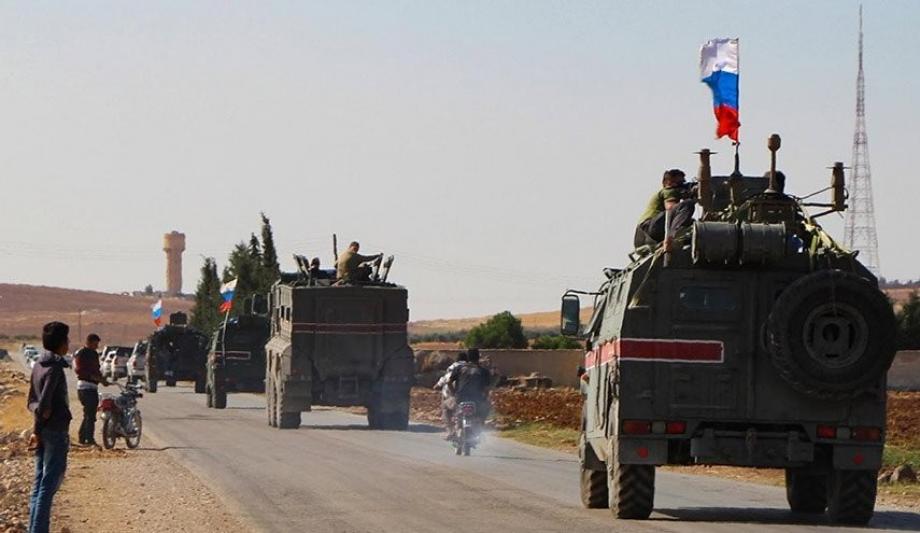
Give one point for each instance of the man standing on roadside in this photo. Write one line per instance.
(89, 376)
(49, 405)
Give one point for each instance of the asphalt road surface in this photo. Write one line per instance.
(335, 475)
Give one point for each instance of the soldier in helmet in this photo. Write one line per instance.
(352, 266)
(673, 198)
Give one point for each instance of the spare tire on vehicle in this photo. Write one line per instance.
(831, 334)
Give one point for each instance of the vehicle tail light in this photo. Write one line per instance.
(107, 404)
(469, 409)
(636, 427)
(827, 432)
(676, 428)
(867, 434)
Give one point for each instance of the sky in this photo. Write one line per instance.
(502, 151)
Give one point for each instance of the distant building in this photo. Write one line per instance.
(173, 245)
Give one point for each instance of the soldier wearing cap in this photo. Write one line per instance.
(671, 197)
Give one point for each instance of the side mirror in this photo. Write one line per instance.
(570, 324)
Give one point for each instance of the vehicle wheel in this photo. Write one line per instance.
(397, 421)
(270, 402)
(286, 420)
(851, 496)
(289, 420)
(108, 433)
(374, 417)
(631, 487)
(200, 385)
(220, 399)
(151, 381)
(134, 442)
(594, 494)
(806, 492)
(831, 334)
(170, 382)
(208, 397)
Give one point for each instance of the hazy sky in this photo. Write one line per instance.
(502, 150)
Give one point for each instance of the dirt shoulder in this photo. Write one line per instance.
(142, 490)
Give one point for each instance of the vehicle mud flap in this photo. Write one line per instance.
(291, 399)
(857, 457)
(200, 385)
(851, 496)
(631, 486)
(594, 493)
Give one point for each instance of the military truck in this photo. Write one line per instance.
(338, 344)
(750, 339)
(236, 362)
(176, 352)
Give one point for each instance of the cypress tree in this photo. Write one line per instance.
(270, 264)
(205, 313)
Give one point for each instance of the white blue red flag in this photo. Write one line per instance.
(719, 70)
(156, 311)
(226, 292)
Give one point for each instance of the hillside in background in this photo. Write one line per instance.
(549, 320)
(121, 318)
(116, 318)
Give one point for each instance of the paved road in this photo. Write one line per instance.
(335, 475)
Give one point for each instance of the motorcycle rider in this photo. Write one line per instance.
(471, 382)
(448, 399)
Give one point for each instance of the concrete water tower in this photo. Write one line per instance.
(174, 245)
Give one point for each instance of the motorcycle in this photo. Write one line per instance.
(121, 417)
(469, 426)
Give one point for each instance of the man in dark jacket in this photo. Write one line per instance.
(471, 383)
(89, 376)
(50, 407)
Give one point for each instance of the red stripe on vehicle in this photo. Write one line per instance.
(657, 350)
(349, 329)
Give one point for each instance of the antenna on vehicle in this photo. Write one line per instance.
(335, 249)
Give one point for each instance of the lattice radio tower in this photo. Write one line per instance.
(859, 231)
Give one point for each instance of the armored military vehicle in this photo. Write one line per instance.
(751, 339)
(236, 362)
(176, 352)
(338, 344)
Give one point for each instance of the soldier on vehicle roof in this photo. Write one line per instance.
(672, 197)
(351, 266)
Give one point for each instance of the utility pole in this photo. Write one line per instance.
(859, 231)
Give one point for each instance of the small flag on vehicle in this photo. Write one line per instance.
(156, 311)
(719, 70)
(226, 292)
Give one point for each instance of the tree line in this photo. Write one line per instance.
(254, 264)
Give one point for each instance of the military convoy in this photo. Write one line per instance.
(176, 352)
(748, 339)
(236, 362)
(338, 344)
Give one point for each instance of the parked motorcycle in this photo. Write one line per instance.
(121, 417)
(469, 426)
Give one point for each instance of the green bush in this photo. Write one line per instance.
(555, 342)
(909, 324)
(503, 330)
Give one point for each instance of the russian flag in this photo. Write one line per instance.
(226, 292)
(156, 311)
(719, 70)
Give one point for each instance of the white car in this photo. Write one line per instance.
(117, 356)
(105, 361)
(137, 362)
